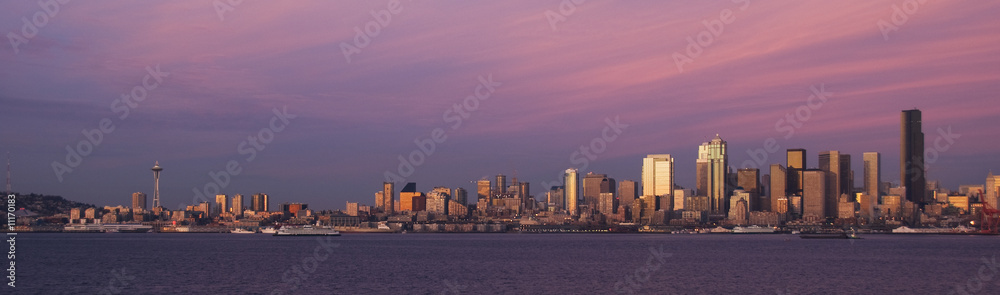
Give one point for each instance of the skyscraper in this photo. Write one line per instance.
(406, 196)
(715, 156)
(814, 197)
(873, 173)
(627, 192)
(501, 184)
(778, 185)
(461, 196)
(658, 175)
(795, 163)
(156, 184)
(389, 197)
(221, 203)
(593, 186)
(138, 201)
(838, 178)
(259, 203)
(556, 198)
(572, 191)
(749, 180)
(911, 155)
(237, 205)
(484, 195)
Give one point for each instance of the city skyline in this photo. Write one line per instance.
(552, 90)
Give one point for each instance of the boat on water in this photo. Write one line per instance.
(753, 229)
(306, 230)
(241, 231)
(268, 230)
(720, 230)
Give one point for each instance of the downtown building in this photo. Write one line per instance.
(712, 169)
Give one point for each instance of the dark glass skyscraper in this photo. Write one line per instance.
(911, 155)
(796, 162)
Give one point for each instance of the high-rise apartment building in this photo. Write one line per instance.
(221, 204)
(237, 205)
(259, 203)
(389, 197)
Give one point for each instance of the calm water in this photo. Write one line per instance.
(497, 264)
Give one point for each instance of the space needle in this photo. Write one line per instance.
(156, 188)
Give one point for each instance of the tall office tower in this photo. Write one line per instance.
(406, 196)
(778, 184)
(911, 156)
(237, 205)
(838, 173)
(593, 186)
(715, 154)
(701, 177)
(138, 202)
(556, 198)
(795, 164)
(749, 180)
(389, 196)
(571, 181)
(681, 197)
(814, 197)
(259, 203)
(483, 191)
(628, 191)
(221, 203)
(658, 175)
(992, 190)
(873, 173)
(156, 183)
(501, 184)
(461, 196)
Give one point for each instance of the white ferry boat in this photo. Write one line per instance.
(753, 229)
(306, 230)
(241, 231)
(268, 230)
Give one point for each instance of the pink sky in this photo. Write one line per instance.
(605, 60)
